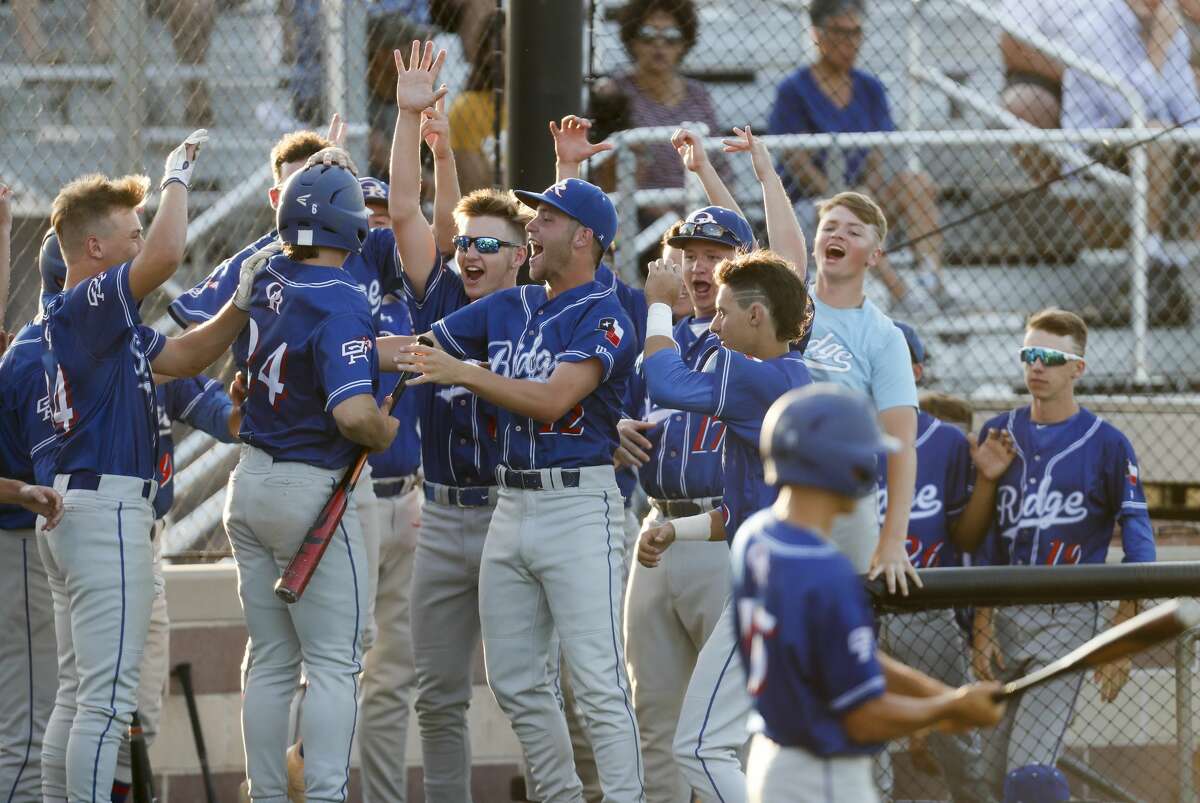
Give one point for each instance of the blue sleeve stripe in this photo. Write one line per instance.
(863, 690)
(441, 331)
(42, 445)
(192, 404)
(609, 363)
(724, 387)
(1135, 505)
(122, 286)
(344, 391)
(189, 314)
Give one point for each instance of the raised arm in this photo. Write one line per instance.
(167, 237)
(571, 146)
(435, 132)
(690, 148)
(414, 94)
(669, 381)
(784, 235)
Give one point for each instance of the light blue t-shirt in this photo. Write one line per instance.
(862, 349)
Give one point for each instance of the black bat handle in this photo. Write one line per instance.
(398, 391)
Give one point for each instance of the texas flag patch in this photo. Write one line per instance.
(1131, 471)
(612, 330)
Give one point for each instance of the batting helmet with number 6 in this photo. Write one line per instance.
(823, 436)
(323, 205)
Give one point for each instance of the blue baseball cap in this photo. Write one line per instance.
(915, 347)
(582, 201)
(715, 224)
(374, 190)
(1036, 783)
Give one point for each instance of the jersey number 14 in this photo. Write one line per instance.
(61, 411)
(271, 373)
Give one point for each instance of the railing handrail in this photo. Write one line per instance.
(1033, 585)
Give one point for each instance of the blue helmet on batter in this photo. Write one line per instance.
(323, 206)
(823, 436)
(51, 265)
(1036, 783)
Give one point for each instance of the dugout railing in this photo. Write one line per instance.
(1140, 747)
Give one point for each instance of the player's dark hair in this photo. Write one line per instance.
(634, 13)
(765, 277)
(299, 253)
(945, 407)
(489, 202)
(669, 233)
(295, 147)
(821, 10)
(88, 199)
(1062, 323)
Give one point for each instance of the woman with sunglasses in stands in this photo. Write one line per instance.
(657, 34)
(1053, 481)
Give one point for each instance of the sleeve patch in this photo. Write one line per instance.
(613, 332)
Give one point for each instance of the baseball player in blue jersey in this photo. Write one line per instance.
(98, 368)
(825, 700)
(1053, 480)
(560, 353)
(760, 312)
(28, 655)
(932, 641)
(311, 378)
(854, 344)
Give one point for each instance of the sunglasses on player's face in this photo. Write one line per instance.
(649, 33)
(1051, 358)
(484, 245)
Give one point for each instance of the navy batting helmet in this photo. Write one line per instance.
(322, 205)
(823, 436)
(51, 265)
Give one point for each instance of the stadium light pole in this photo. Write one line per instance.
(544, 74)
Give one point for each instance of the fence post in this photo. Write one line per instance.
(346, 66)
(627, 212)
(130, 77)
(1138, 258)
(912, 108)
(1185, 659)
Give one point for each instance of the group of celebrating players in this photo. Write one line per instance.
(761, 406)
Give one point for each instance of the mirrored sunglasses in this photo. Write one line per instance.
(484, 245)
(705, 230)
(1051, 358)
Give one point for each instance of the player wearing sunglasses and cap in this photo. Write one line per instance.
(1052, 482)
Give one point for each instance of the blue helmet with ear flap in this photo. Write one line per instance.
(323, 206)
(51, 265)
(823, 436)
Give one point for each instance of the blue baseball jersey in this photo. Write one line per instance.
(525, 335)
(943, 488)
(458, 429)
(376, 270)
(97, 369)
(1067, 488)
(686, 447)
(311, 346)
(26, 432)
(737, 390)
(805, 634)
(633, 301)
(199, 402)
(404, 455)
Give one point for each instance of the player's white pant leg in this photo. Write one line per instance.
(559, 554)
(670, 611)
(1031, 637)
(445, 634)
(28, 665)
(102, 554)
(856, 534)
(712, 722)
(62, 714)
(152, 681)
(368, 519)
(389, 675)
(269, 509)
(775, 773)
(933, 642)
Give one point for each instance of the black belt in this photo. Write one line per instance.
(387, 488)
(90, 481)
(461, 497)
(675, 508)
(532, 480)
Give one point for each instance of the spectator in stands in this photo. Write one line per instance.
(473, 120)
(1143, 45)
(190, 23)
(657, 34)
(831, 96)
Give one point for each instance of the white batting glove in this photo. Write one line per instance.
(250, 268)
(180, 163)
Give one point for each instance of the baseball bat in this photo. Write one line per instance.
(290, 586)
(183, 672)
(1160, 623)
(139, 763)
